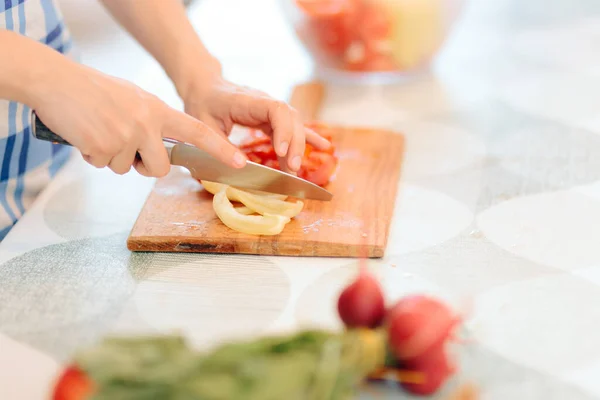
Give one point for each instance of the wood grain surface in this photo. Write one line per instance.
(178, 215)
(307, 99)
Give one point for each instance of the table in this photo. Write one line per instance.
(498, 212)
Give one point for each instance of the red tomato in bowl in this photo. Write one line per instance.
(375, 23)
(334, 32)
(325, 8)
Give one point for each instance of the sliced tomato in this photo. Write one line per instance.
(307, 150)
(254, 141)
(253, 157)
(264, 151)
(318, 168)
(73, 384)
(272, 164)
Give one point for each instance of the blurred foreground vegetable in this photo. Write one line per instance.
(405, 343)
(306, 365)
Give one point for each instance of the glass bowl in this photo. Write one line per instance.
(372, 39)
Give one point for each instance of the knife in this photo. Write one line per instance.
(205, 167)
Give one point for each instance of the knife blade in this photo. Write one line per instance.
(204, 166)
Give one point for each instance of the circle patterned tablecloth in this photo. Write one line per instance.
(499, 209)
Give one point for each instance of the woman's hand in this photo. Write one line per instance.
(221, 104)
(109, 120)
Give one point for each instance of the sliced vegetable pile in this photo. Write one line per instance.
(418, 330)
(260, 213)
(372, 35)
(317, 166)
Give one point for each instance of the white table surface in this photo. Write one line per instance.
(499, 207)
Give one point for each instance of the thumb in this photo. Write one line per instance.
(185, 128)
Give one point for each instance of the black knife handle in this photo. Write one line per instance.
(42, 132)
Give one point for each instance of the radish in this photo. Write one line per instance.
(436, 370)
(417, 323)
(361, 304)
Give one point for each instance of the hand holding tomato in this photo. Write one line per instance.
(317, 164)
(220, 104)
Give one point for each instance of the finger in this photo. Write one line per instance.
(266, 129)
(122, 162)
(282, 122)
(182, 127)
(316, 140)
(297, 146)
(98, 160)
(252, 110)
(214, 125)
(139, 166)
(154, 158)
(283, 165)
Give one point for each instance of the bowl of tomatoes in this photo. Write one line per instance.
(360, 39)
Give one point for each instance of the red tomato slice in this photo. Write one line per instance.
(254, 158)
(73, 384)
(318, 168)
(254, 141)
(272, 164)
(254, 137)
(308, 149)
(264, 151)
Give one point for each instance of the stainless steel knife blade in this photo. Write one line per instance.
(253, 176)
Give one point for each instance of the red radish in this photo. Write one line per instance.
(436, 370)
(361, 304)
(417, 323)
(73, 384)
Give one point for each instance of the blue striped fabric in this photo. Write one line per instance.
(27, 164)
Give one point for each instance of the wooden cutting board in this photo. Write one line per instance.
(178, 215)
